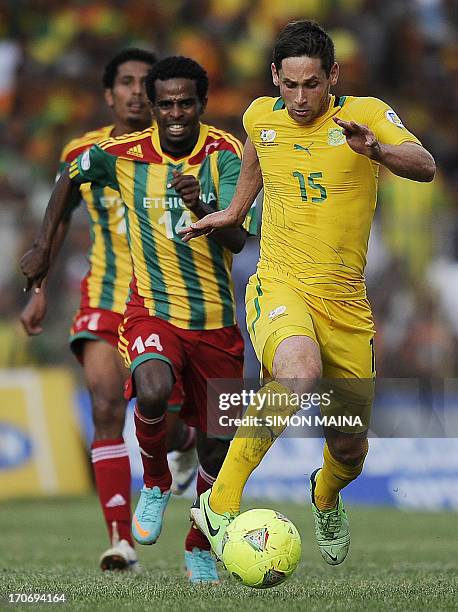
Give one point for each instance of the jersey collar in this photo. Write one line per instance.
(203, 133)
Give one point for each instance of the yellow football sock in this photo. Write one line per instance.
(249, 446)
(333, 477)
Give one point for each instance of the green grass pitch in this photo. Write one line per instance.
(399, 561)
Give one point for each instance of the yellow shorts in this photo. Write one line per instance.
(344, 331)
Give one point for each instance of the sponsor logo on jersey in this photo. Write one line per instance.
(336, 137)
(136, 151)
(267, 136)
(175, 201)
(298, 147)
(393, 117)
(110, 201)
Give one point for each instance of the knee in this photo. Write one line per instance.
(350, 451)
(108, 412)
(153, 393)
(305, 381)
(297, 365)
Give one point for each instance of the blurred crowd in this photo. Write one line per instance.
(52, 55)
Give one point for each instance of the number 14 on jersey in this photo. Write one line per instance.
(170, 230)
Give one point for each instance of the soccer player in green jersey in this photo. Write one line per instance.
(179, 325)
(318, 158)
(104, 290)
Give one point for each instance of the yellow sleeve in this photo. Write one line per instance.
(247, 119)
(252, 113)
(385, 123)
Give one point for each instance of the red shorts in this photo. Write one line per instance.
(101, 324)
(94, 324)
(194, 356)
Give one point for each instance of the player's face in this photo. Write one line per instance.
(127, 98)
(177, 110)
(304, 87)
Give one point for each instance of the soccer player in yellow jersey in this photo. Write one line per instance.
(317, 157)
(179, 324)
(104, 289)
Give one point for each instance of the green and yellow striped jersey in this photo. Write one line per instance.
(106, 285)
(187, 284)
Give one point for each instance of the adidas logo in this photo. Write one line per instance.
(116, 500)
(136, 151)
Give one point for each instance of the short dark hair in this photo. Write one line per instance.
(127, 55)
(304, 37)
(177, 67)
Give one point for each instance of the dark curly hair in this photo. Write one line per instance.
(177, 67)
(127, 55)
(304, 37)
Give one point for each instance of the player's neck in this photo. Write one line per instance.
(177, 154)
(178, 150)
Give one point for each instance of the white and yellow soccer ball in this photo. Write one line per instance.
(261, 548)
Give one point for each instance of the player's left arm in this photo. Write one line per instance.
(188, 187)
(408, 159)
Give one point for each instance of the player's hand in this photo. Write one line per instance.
(34, 266)
(188, 188)
(210, 223)
(33, 313)
(360, 138)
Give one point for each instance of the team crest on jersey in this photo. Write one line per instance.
(393, 117)
(86, 160)
(336, 137)
(268, 136)
(212, 145)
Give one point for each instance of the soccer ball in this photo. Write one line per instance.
(261, 548)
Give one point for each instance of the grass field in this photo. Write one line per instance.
(398, 561)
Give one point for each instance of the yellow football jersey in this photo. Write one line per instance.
(319, 195)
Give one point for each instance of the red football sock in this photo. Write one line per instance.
(195, 538)
(112, 480)
(152, 440)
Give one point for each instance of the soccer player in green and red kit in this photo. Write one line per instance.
(179, 323)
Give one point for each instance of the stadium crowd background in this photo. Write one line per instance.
(52, 56)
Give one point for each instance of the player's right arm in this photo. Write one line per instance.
(35, 263)
(34, 312)
(249, 185)
(92, 166)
